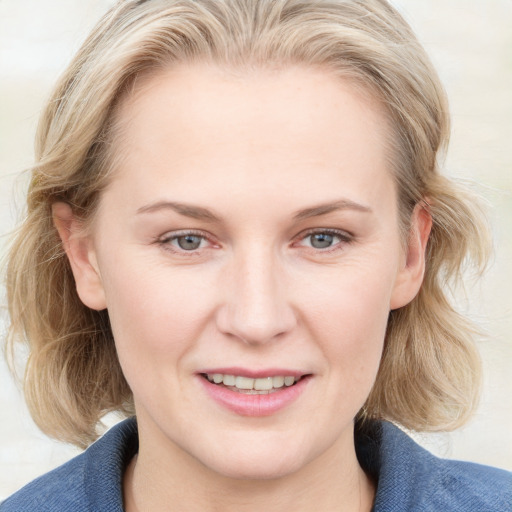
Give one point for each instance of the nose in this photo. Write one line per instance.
(256, 309)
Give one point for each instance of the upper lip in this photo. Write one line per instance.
(255, 374)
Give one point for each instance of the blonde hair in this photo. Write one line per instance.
(430, 372)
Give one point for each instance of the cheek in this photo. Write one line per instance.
(349, 301)
(155, 314)
(348, 316)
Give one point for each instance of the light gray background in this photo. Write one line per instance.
(470, 42)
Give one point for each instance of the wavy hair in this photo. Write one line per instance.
(429, 377)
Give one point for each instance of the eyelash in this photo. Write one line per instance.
(344, 236)
(166, 241)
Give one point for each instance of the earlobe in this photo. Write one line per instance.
(81, 256)
(410, 277)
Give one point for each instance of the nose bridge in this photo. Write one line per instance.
(257, 309)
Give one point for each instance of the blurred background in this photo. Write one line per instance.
(470, 42)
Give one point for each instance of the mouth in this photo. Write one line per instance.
(253, 392)
(252, 386)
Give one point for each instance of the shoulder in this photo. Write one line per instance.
(90, 481)
(60, 489)
(409, 478)
(472, 487)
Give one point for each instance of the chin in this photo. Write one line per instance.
(263, 471)
(257, 463)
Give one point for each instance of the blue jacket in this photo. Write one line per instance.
(408, 477)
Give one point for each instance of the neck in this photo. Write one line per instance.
(173, 480)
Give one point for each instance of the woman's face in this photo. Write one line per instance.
(250, 236)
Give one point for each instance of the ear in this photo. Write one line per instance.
(410, 276)
(81, 256)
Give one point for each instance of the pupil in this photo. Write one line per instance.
(189, 242)
(321, 240)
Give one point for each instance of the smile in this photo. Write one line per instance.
(254, 395)
(247, 385)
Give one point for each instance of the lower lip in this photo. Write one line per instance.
(255, 405)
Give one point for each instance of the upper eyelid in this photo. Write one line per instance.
(330, 231)
(165, 241)
(198, 232)
(172, 235)
(345, 238)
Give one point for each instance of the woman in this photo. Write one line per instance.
(238, 233)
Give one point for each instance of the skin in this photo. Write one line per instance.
(254, 149)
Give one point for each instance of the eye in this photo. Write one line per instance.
(322, 240)
(184, 241)
(325, 239)
(188, 242)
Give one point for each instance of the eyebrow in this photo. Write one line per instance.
(188, 210)
(323, 209)
(200, 213)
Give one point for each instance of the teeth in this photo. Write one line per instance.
(288, 381)
(263, 384)
(277, 382)
(243, 383)
(246, 384)
(228, 380)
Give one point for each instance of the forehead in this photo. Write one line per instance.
(291, 127)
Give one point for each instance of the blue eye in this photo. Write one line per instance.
(188, 242)
(183, 241)
(322, 240)
(326, 239)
